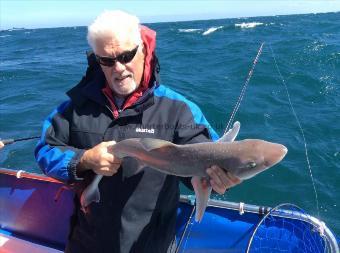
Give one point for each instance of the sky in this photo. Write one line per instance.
(65, 13)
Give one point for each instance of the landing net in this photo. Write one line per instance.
(287, 228)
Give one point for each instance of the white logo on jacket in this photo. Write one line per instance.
(145, 130)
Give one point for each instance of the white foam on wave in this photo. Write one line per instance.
(211, 30)
(15, 29)
(248, 25)
(190, 30)
(317, 46)
(4, 36)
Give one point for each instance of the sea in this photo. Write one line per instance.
(292, 97)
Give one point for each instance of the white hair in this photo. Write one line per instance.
(117, 24)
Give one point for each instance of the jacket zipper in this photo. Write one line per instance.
(144, 98)
(109, 109)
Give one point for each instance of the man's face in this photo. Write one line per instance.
(123, 78)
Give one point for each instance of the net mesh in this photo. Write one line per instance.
(287, 228)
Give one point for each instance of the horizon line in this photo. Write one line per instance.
(173, 21)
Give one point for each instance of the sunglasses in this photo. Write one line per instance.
(123, 58)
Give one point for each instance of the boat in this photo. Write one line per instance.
(30, 203)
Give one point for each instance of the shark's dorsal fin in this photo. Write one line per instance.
(230, 136)
(149, 143)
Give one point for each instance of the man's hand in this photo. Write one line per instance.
(221, 180)
(100, 160)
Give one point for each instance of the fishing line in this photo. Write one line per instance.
(301, 130)
(243, 91)
(188, 224)
(188, 235)
(10, 141)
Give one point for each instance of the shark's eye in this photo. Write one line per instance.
(251, 165)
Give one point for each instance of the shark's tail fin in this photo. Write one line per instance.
(91, 193)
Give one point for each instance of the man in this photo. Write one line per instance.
(120, 98)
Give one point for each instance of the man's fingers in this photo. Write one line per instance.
(216, 187)
(109, 145)
(221, 180)
(234, 180)
(107, 171)
(218, 176)
(111, 159)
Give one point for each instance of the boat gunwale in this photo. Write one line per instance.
(29, 175)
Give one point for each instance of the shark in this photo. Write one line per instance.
(243, 159)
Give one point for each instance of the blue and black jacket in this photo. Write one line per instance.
(136, 213)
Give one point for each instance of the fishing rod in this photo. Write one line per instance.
(238, 103)
(10, 141)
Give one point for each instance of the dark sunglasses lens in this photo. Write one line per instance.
(123, 58)
(127, 57)
(105, 61)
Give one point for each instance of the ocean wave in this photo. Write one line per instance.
(190, 30)
(211, 30)
(248, 25)
(15, 29)
(4, 36)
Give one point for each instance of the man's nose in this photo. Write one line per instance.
(118, 67)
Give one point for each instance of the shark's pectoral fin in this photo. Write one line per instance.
(149, 144)
(132, 166)
(231, 135)
(202, 191)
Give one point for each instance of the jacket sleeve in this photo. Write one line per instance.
(53, 154)
(193, 127)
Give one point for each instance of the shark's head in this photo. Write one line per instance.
(257, 156)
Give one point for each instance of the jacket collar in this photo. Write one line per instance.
(91, 85)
